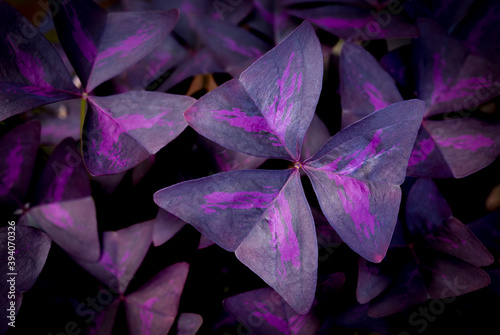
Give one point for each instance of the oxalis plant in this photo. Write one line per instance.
(143, 144)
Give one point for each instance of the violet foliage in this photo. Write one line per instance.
(148, 138)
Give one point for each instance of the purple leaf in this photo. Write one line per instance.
(226, 206)
(166, 226)
(230, 45)
(71, 224)
(406, 290)
(102, 47)
(199, 62)
(265, 312)
(357, 173)
(122, 253)
(454, 147)
(372, 280)
(260, 106)
(64, 176)
(449, 78)
(18, 150)
(428, 215)
(426, 209)
(32, 247)
(123, 130)
(105, 320)
(282, 248)
(364, 86)
(456, 239)
(272, 19)
(229, 160)
(189, 324)
(350, 22)
(440, 262)
(32, 71)
(256, 214)
(205, 242)
(80, 26)
(316, 136)
(151, 310)
(451, 276)
(480, 28)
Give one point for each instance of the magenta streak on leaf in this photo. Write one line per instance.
(466, 142)
(421, 153)
(107, 262)
(282, 233)
(340, 23)
(231, 44)
(448, 241)
(237, 118)
(58, 215)
(127, 46)
(237, 200)
(463, 88)
(109, 146)
(147, 315)
(355, 197)
(375, 97)
(58, 187)
(279, 113)
(14, 160)
(292, 326)
(272, 319)
(29, 66)
(368, 152)
(85, 44)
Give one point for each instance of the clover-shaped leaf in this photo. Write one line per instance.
(263, 215)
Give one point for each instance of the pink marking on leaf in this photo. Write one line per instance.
(57, 215)
(237, 200)
(278, 114)
(85, 44)
(29, 66)
(237, 118)
(466, 142)
(290, 326)
(108, 263)
(109, 145)
(14, 160)
(127, 46)
(58, 186)
(147, 315)
(283, 235)
(355, 197)
(340, 23)
(421, 153)
(375, 96)
(274, 320)
(448, 241)
(231, 44)
(360, 156)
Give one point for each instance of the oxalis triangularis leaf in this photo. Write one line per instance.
(438, 258)
(119, 131)
(263, 215)
(454, 141)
